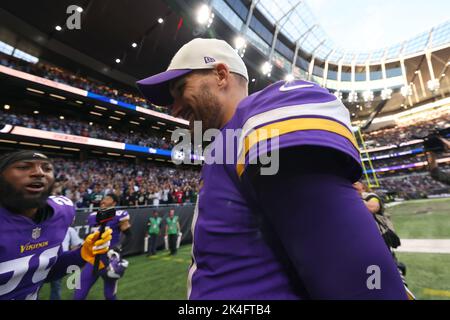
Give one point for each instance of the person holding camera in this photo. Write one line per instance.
(432, 146)
(113, 265)
(375, 205)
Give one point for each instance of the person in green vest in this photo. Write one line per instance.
(172, 231)
(154, 230)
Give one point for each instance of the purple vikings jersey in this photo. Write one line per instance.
(114, 224)
(87, 277)
(29, 250)
(231, 260)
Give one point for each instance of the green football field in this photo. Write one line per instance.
(422, 219)
(428, 275)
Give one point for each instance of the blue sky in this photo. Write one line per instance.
(370, 24)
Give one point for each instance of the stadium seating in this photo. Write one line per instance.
(404, 133)
(85, 129)
(80, 181)
(389, 179)
(412, 186)
(58, 74)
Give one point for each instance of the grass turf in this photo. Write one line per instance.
(427, 274)
(422, 219)
(159, 277)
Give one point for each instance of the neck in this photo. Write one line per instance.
(232, 104)
(30, 213)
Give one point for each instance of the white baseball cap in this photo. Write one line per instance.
(197, 54)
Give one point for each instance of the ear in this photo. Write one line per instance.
(223, 74)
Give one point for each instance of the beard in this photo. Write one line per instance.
(209, 110)
(18, 201)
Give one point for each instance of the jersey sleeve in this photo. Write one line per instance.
(63, 206)
(298, 113)
(91, 220)
(332, 245)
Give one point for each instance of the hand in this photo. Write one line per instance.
(431, 159)
(446, 143)
(93, 246)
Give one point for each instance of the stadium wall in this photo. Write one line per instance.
(138, 220)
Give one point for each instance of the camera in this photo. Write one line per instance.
(432, 142)
(105, 215)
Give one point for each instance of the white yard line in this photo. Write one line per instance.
(425, 245)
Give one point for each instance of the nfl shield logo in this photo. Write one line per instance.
(36, 233)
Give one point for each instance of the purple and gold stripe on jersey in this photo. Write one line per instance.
(320, 120)
(303, 130)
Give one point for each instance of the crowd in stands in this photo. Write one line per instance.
(399, 134)
(48, 71)
(85, 129)
(85, 183)
(393, 151)
(404, 133)
(413, 185)
(397, 161)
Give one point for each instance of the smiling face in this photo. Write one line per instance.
(26, 184)
(107, 202)
(196, 98)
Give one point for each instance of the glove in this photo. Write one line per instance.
(113, 254)
(117, 266)
(93, 246)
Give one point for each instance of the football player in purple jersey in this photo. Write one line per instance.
(33, 225)
(298, 232)
(120, 225)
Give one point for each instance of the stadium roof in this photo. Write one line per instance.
(110, 27)
(298, 23)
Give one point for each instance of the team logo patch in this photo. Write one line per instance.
(209, 60)
(36, 233)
